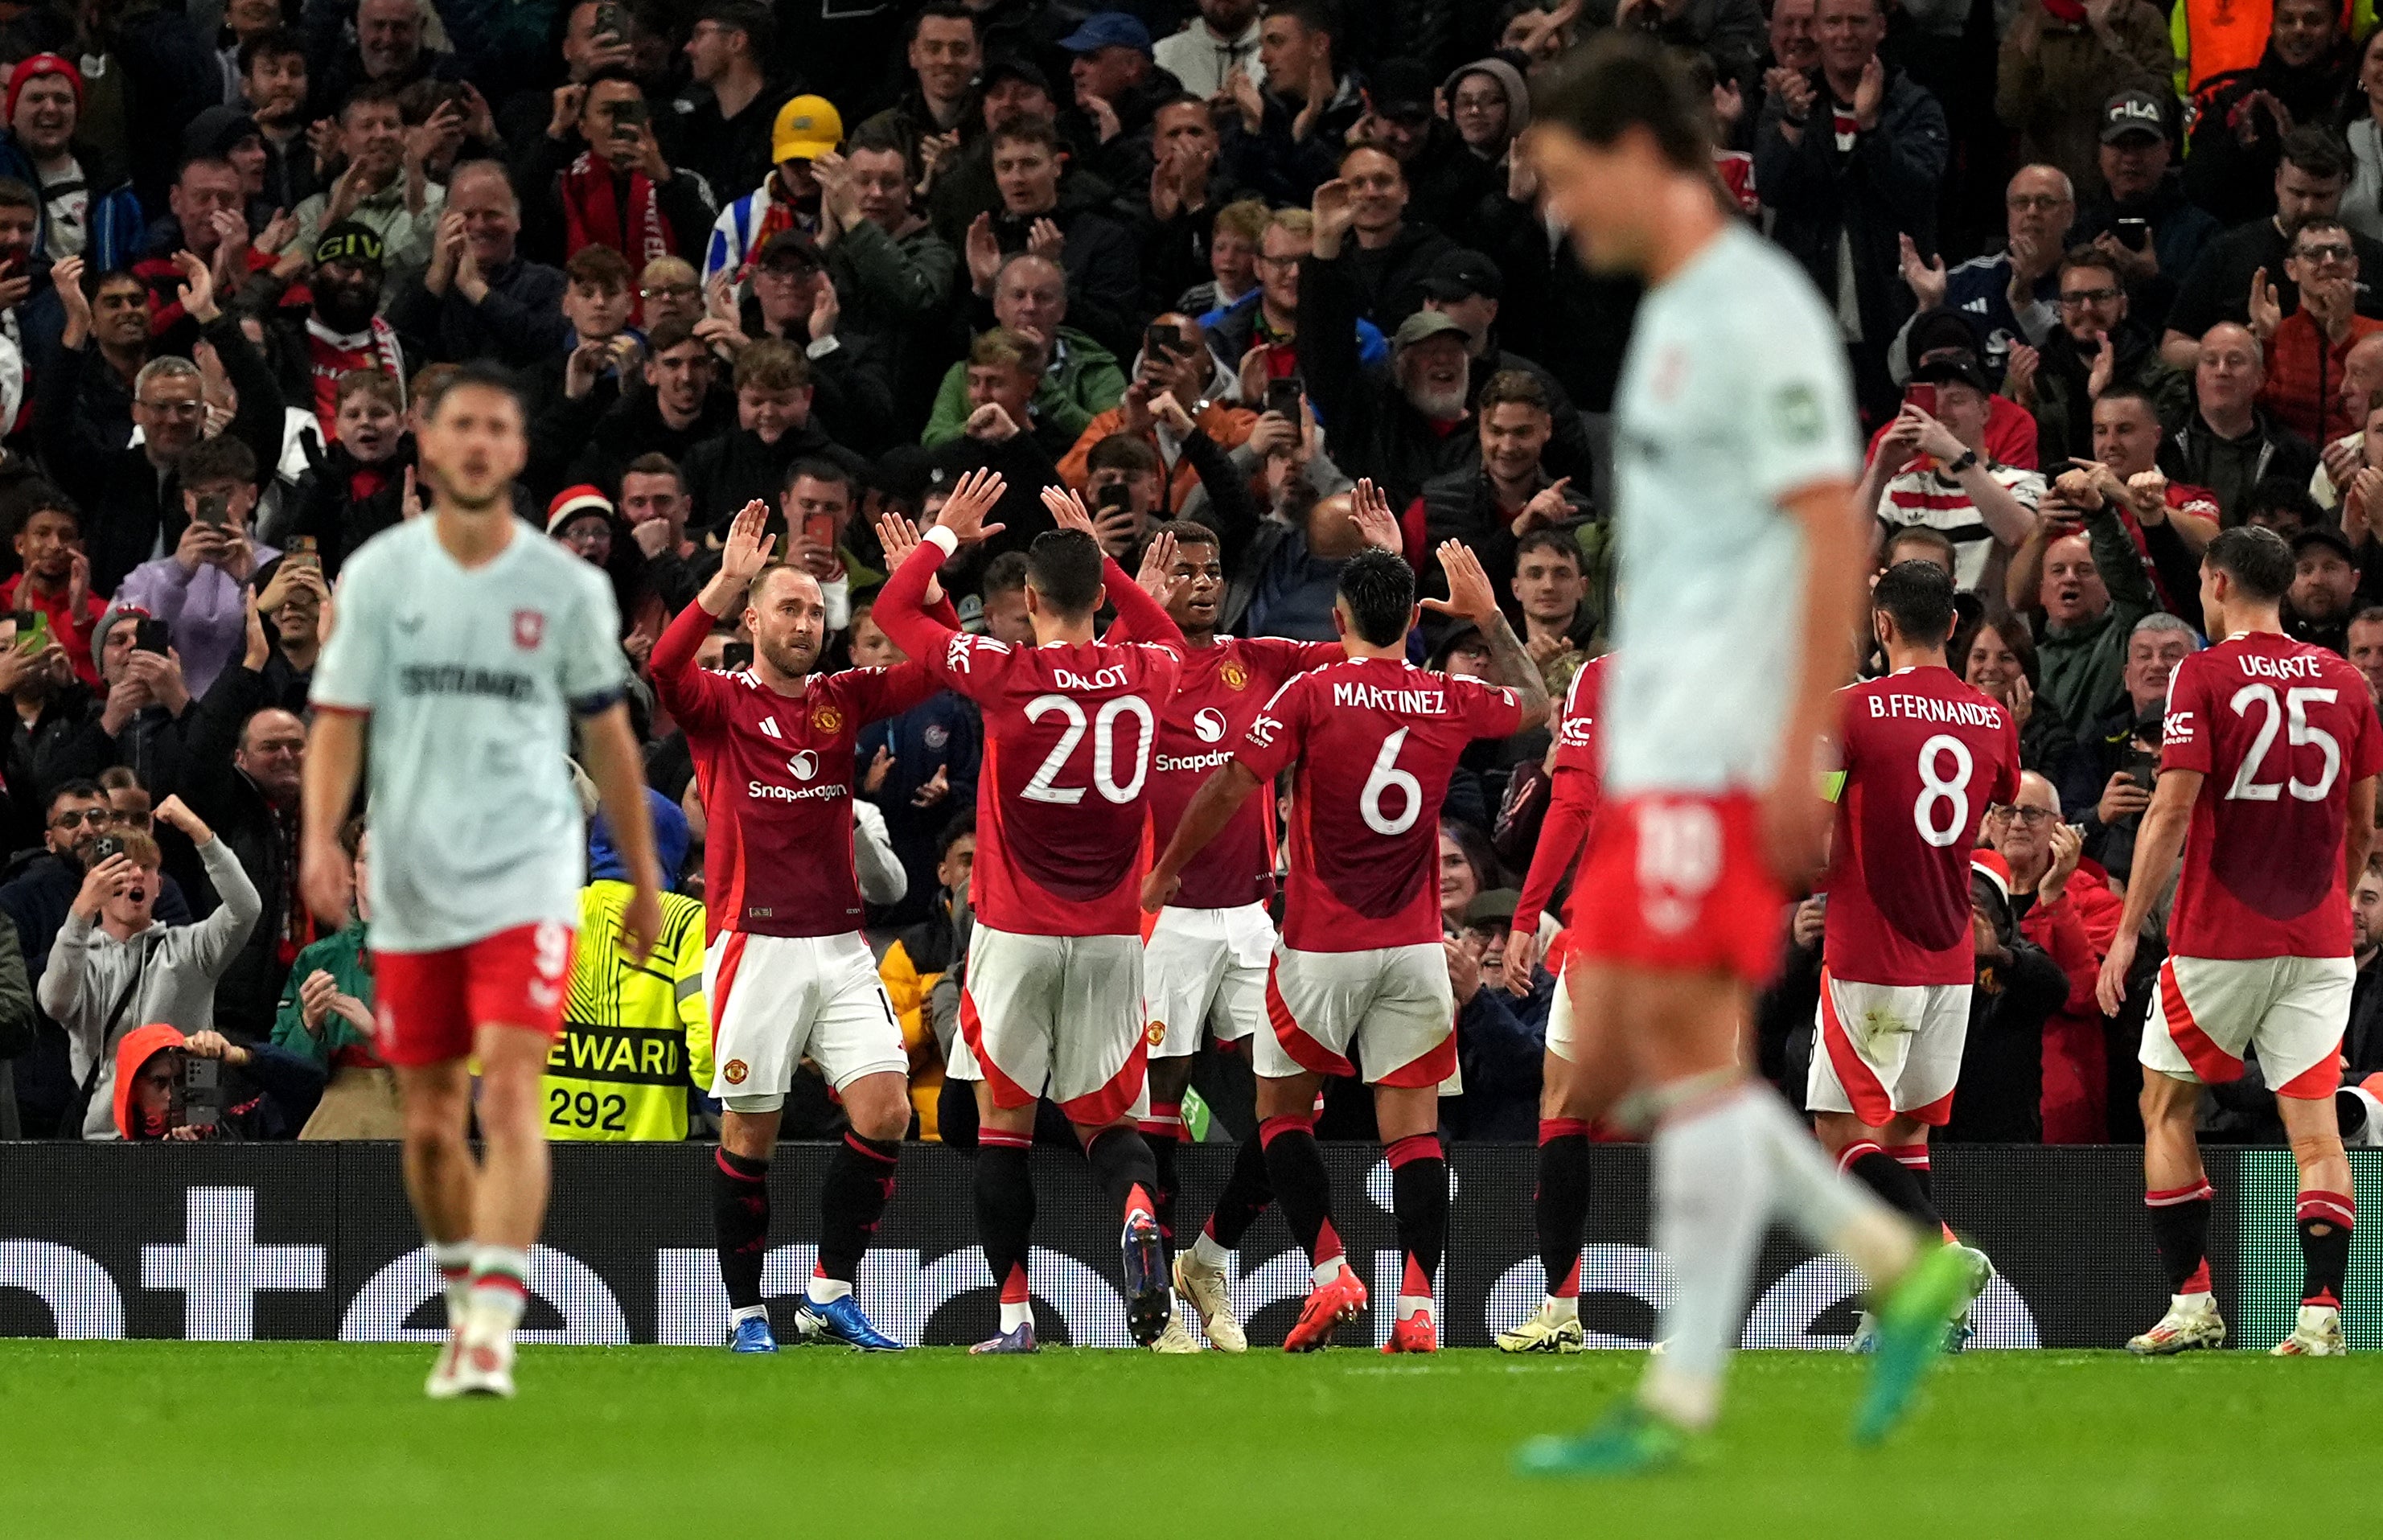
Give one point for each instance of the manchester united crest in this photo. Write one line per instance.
(1156, 1034)
(529, 628)
(1235, 676)
(733, 1072)
(827, 719)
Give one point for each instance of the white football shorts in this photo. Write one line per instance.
(1058, 1016)
(1205, 968)
(1392, 1004)
(1881, 1049)
(776, 1000)
(2208, 1011)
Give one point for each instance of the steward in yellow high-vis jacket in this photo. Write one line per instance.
(636, 1036)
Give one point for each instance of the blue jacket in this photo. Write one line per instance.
(1501, 1050)
(940, 732)
(116, 222)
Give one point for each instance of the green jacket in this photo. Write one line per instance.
(891, 283)
(1087, 383)
(343, 956)
(2085, 666)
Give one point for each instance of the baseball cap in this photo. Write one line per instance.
(1461, 275)
(788, 248)
(573, 502)
(2328, 536)
(1424, 324)
(1400, 90)
(348, 241)
(1494, 907)
(1010, 67)
(1954, 368)
(217, 129)
(1107, 30)
(808, 128)
(1939, 329)
(2130, 113)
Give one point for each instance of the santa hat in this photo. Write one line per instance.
(33, 68)
(572, 501)
(1989, 865)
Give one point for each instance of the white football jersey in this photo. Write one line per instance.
(1734, 394)
(471, 678)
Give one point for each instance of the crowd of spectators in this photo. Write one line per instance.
(2102, 277)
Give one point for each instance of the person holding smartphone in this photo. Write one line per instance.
(605, 181)
(201, 590)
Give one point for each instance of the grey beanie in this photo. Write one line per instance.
(1509, 81)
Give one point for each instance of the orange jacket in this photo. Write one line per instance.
(1228, 426)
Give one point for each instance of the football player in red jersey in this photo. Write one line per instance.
(2267, 786)
(1053, 1002)
(1923, 756)
(1360, 966)
(1568, 1104)
(788, 973)
(1205, 956)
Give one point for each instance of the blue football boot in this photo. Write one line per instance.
(753, 1336)
(841, 1321)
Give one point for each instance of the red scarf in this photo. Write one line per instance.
(329, 355)
(592, 214)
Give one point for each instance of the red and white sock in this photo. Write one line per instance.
(454, 1260)
(824, 1290)
(1415, 1293)
(1329, 1259)
(501, 1284)
(1017, 1303)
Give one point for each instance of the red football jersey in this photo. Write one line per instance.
(1070, 731)
(1575, 787)
(2279, 729)
(1923, 756)
(1222, 690)
(1375, 740)
(776, 773)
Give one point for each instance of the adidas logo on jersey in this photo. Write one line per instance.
(770, 726)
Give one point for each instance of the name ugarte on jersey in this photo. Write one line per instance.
(466, 679)
(2306, 666)
(1960, 713)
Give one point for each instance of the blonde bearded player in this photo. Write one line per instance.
(1736, 452)
(471, 646)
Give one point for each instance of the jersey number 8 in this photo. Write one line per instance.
(1936, 793)
(2247, 786)
(1105, 755)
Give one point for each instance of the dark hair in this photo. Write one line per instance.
(2279, 495)
(598, 267)
(1378, 590)
(2086, 256)
(41, 497)
(1919, 534)
(208, 158)
(612, 74)
(825, 470)
(666, 335)
(962, 827)
(373, 93)
(1188, 532)
(1341, 167)
(81, 789)
(1004, 574)
(2257, 559)
(941, 10)
(1122, 451)
(2371, 615)
(1918, 596)
(1512, 388)
(878, 138)
(1621, 80)
(2130, 392)
(2012, 630)
(1557, 540)
(223, 458)
(753, 19)
(478, 373)
(653, 463)
(121, 778)
(2316, 151)
(1479, 853)
(278, 43)
(1316, 16)
(15, 194)
(1026, 129)
(2311, 222)
(1064, 566)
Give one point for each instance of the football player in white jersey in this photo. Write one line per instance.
(470, 646)
(1736, 452)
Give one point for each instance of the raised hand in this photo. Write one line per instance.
(1170, 414)
(1925, 280)
(197, 293)
(749, 545)
(1469, 594)
(899, 537)
(1066, 507)
(1155, 577)
(983, 248)
(1369, 510)
(974, 496)
(1334, 211)
(990, 423)
(2266, 306)
(1045, 239)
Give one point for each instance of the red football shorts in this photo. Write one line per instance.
(1678, 884)
(426, 1004)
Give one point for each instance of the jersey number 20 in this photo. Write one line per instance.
(2247, 786)
(1043, 787)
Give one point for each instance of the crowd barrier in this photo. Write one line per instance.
(314, 1241)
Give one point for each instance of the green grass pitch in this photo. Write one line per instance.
(320, 1440)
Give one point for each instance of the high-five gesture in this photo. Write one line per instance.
(1369, 508)
(900, 537)
(1066, 505)
(741, 560)
(975, 494)
(1470, 596)
(1156, 578)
